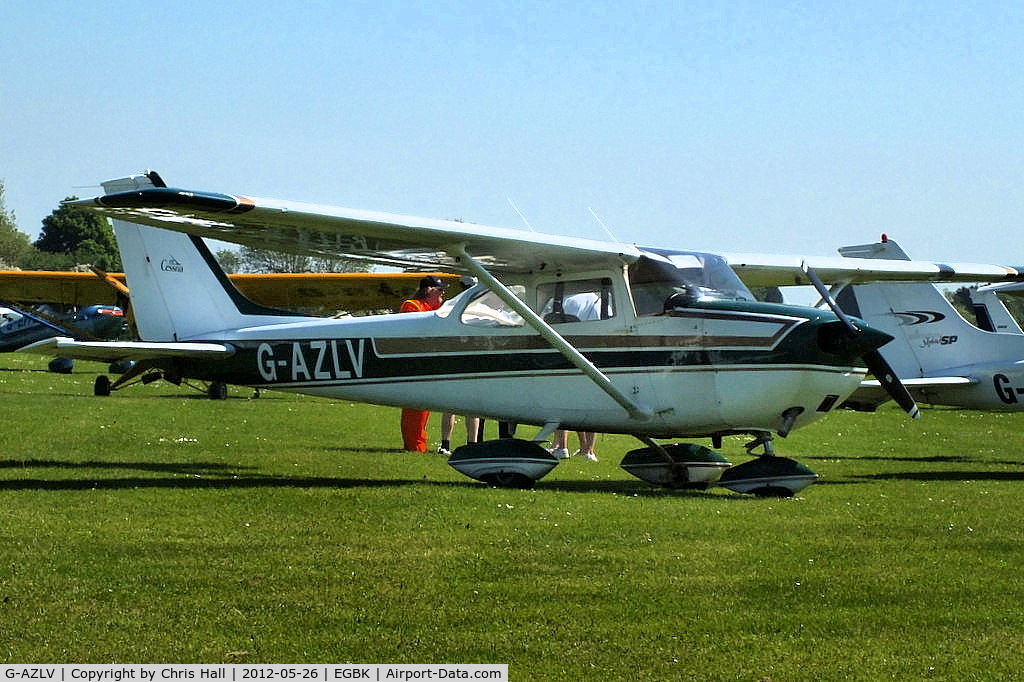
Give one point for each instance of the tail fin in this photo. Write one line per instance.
(178, 291)
(991, 312)
(930, 336)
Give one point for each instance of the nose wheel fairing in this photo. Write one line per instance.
(768, 476)
(680, 465)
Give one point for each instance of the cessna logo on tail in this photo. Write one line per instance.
(171, 264)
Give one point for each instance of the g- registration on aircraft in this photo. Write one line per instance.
(96, 305)
(678, 347)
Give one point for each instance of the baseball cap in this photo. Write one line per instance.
(432, 281)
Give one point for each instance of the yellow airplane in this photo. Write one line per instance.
(350, 291)
(96, 305)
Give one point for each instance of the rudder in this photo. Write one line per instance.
(177, 289)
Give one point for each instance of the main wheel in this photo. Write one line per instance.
(102, 386)
(217, 390)
(508, 479)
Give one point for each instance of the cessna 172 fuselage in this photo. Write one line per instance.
(702, 368)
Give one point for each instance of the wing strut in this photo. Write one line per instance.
(550, 335)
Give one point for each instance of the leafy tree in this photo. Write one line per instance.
(229, 260)
(1015, 305)
(14, 245)
(80, 236)
(961, 300)
(768, 294)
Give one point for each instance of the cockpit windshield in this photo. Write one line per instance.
(697, 276)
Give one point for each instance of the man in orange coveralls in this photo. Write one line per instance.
(414, 422)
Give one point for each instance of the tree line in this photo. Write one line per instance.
(71, 238)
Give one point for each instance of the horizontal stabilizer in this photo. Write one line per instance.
(112, 351)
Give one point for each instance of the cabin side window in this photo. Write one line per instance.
(486, 309)
(576, 300)
(651, 283)
(685, 279)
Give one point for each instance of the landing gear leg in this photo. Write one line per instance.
(765, 440)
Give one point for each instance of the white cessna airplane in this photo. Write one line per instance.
(942, 358)
(680, 348)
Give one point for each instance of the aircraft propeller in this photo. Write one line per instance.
(874, 360)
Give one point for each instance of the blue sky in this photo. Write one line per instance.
(740, 126)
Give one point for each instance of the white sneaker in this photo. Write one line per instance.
(444, 451)
(560, 453)
(590, 457)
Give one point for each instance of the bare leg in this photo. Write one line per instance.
(447, 424)
(560, 444)
(473, 430)
(587, 441)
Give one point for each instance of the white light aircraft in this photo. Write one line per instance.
(680, 348)
(990, 313)
(942, 358)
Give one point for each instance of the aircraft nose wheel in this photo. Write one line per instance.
(508, 479)
(101, 387)
(217, 390)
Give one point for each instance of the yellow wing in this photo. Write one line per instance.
(332, 291)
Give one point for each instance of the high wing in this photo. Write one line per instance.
(332, 231)
(427, 243)
(335, 291)
(349, 291)
(1008, 289)
(765, 270)
(872, 394)
(68, 288)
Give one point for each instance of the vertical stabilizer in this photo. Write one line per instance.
(930, 336)
(990, 310)
(178, 291)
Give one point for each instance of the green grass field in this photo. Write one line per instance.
(156, 526)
